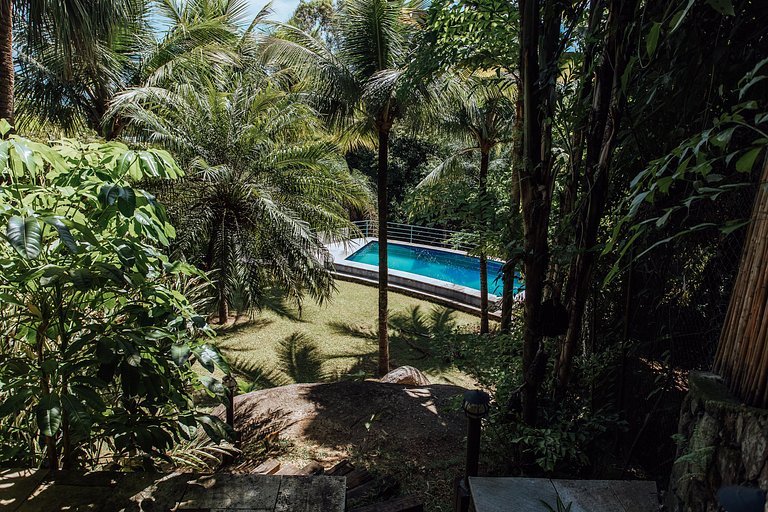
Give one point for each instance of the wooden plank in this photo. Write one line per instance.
(402, 504)
(268, 467)
(16, 485)
(383, 489)
(342, 468)
(148, 491)
(636, 496)
(311, 494)
(588, 495)
(289, 469)
(53, 498)
(512, 494)
(358, 477)
(313, 468)
(233, 492)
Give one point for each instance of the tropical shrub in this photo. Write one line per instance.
(96, 340)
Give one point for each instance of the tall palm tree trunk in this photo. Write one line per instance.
(6, 60)
(484, 327)
(223, 276)
(383, 260)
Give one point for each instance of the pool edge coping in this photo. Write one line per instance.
(428, 286)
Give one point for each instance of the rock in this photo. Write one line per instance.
(407, 375)
(754, 447)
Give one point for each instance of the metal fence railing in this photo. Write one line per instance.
(420, 235)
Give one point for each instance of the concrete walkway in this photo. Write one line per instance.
(541, 495)
(25, 490)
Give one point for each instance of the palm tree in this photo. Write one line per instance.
(263, 185)
(482, 119)
(363, 86)
(75, 88)
(76, 23)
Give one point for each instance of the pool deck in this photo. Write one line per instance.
(449, 294)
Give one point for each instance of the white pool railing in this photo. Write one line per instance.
(420, 235)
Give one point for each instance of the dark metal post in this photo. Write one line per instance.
(474, 426)
(476, 405)
(231, 384)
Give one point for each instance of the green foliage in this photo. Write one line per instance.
(566, 438)
(317, 17)
(263, 182)
(97, 341)
(479, 34)
(69, 74)
(707, 166)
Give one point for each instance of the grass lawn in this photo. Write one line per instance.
(334, 341)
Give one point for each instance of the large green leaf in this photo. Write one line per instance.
(180, 354)
(48, 414)
(88, 395)
(126, 201)
(15, 402)
(108, 194)
(214, 385)
(25, 235)
(722, 6)
(747, 160)
(209, 357)
(216, 429)
(65, 235)
(79, 419)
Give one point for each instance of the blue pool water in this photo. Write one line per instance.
(443, 265)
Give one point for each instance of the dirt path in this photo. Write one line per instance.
(413, 434)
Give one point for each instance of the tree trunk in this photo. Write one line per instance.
(484, 324)
(604, 119)
(536, 180)
(533, 205)
(221, 286)
(381, 176)
(6, 60)
(508, 295)
(223, 306)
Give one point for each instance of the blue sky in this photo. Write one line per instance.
(283, 9)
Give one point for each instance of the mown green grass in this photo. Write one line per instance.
(333, 341)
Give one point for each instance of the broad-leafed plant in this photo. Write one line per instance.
(96, 340)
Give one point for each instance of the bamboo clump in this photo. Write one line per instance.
(742, 353)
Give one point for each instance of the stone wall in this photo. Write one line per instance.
(721, 442)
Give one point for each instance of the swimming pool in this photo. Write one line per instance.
(447, 266)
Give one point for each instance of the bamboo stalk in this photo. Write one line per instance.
(742, 353)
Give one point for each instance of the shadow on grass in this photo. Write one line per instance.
(301, 358)
(417, 338)
(252, 376)
(352, 330)
(248, 324)
(276, 302)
